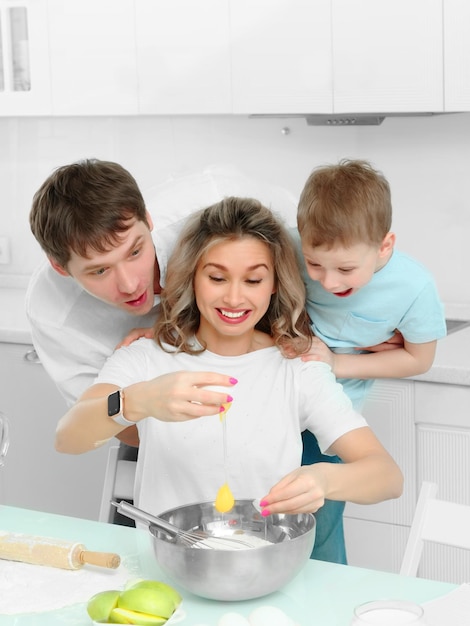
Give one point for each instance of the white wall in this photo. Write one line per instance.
(426, 159)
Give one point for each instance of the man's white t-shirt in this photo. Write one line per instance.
(73, 332)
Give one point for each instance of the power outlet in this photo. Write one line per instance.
(4, 250)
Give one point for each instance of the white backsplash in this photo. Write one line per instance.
(426, 160)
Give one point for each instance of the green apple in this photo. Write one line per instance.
(101, 604)
(124, 616)
(147, 600)
(158, 587)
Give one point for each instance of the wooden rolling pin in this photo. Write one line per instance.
(52, 552)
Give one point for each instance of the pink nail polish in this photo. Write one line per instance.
(263, 503)
(233, 381)
(265, 512)
(229, 399)
(221, 409)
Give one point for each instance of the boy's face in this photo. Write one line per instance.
(343, 271)
(124, 275)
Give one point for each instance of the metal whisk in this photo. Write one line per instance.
(195, 539)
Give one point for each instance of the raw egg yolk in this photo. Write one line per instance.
(225, 500)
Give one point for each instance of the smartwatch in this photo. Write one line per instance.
(116, 408)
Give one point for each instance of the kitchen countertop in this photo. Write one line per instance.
(322, 593)
(451, 365)
(14, 327)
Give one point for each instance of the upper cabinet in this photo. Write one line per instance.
(457, 55)
(336, 56)
(25, 87)
(92, 57)
(183, 56)
(218, 57)
(387, 56)
(281, 56)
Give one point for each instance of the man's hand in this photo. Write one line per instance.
(395, 342)
(134, 334)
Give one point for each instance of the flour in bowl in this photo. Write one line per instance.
(242, 542)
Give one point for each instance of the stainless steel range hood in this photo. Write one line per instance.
(344, 119)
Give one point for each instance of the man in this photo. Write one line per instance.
(106, 266)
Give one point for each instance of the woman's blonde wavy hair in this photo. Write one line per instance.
(231, 219)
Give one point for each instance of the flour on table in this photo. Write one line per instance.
(27, 588)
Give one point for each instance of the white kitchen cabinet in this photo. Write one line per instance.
(35, 476)
(457, 55)
(219, 57)
(183, 57)
(426, 428)
(25, 87)
(376, 534)
(387, 55)
(281, 56)
(93, 57)
(336, 56)
(443, 456)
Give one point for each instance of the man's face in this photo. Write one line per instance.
(124, 275)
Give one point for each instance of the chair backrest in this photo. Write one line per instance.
(118, 484)
(437, 521)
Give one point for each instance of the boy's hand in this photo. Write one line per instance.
(134, 334)
(319, 351)
(395, 342)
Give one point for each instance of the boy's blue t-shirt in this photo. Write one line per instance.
(402, 295)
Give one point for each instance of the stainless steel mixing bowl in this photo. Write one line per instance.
(234, 574)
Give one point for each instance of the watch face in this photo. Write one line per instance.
(114, 404)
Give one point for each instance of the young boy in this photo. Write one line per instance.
(360, 289)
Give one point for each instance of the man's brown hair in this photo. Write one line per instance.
(84, 206)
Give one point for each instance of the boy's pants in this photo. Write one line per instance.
(329, 539)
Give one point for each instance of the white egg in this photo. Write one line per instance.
(233, 619)
(269, 616)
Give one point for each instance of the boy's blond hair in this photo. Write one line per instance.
(345, 204)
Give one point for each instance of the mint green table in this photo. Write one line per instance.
(323, 594)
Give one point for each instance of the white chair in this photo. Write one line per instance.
(118, 483)
(437, 521)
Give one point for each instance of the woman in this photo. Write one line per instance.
(233, 298)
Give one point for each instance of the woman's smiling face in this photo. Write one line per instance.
(233, 284)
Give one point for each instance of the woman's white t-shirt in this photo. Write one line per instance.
(274, 400)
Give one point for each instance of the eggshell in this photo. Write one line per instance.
(269, 616)
(233, 619)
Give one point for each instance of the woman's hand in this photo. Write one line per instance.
(368, 474)
(301, 491)
(177, 397)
